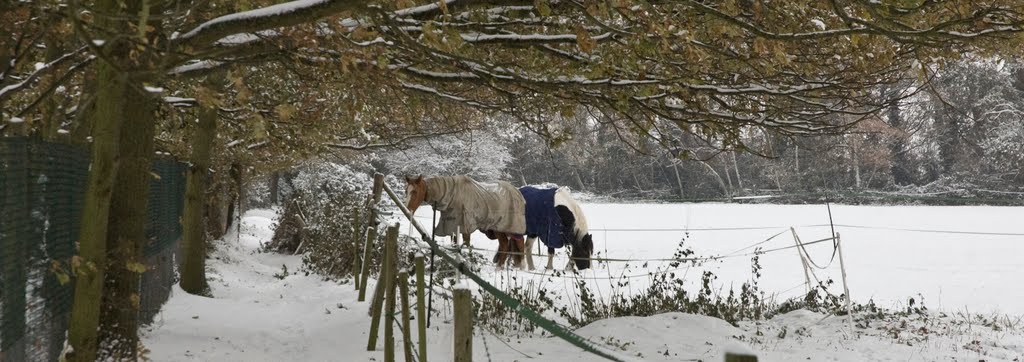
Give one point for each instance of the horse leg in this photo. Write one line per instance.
(528, 250)
(551, 259)
(502, 254)
(465, 239)
(519, 248)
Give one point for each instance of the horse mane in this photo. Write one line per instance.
(563, 198)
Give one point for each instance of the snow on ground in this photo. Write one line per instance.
(805, 335)
(253, 315)
(258, 313)
(952, 272)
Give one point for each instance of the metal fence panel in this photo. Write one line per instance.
(43, 187)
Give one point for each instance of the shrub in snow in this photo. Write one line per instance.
(318, 219)
(257, 194)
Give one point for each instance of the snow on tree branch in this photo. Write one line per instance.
(28, 80)
(274, 16)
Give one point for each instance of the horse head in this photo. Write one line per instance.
(582, 251)
(415, 192)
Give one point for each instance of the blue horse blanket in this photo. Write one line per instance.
(542, 219)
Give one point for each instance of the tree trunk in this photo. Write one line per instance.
(274, 187)
(856, 167)
(126, 235)
(193, 265)
(231, 215)
(217, 202)
(901, 168)
(728, 176)
(92, 237)
(721, 183)
(796, 161)
(234, 208)
(679, 179)
(736, 167)
(579, 181)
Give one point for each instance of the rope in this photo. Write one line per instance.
(957, 232)
(835, 246)
(851, 226)
(935, 196)
(765, 251)
(487, 350)
(740, 228)
(706, 258)
(620, 277)
(757, 243)
(505, 343)
(791, 289)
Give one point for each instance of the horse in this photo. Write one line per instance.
(498, 210)
(557, 219)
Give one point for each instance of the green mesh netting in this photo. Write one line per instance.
(43, 185)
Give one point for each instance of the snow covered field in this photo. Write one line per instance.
(952, 271)
(260, 314)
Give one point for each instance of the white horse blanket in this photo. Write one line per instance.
(470, 205)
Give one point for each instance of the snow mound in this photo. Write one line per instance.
(677, 336)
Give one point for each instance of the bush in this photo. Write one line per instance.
(666, 293)
(320, 219)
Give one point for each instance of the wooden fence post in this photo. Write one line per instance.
(371, 222)
(463, 304)
(371, 235)
(421, 315)
(736, 357)
(391, 248)
(378, 289)
(378, 187)
(378, 299)
(357, 236)
(403, 289)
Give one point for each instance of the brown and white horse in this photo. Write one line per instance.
(509, 243)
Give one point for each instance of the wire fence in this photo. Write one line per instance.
(43, 187)
(457, 262)
(960, 196)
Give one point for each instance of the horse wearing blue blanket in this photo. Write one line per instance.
(554, 216)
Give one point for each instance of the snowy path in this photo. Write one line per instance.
(255, 316)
